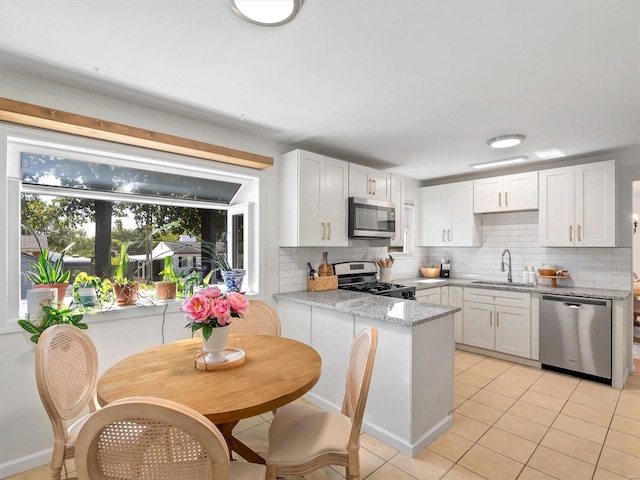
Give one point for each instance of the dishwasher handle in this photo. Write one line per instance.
(578, 301)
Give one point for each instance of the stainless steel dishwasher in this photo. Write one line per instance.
(575, 335)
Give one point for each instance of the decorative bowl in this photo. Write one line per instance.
(547, 272)
(430, 272)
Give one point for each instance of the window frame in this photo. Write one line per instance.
(14, 139)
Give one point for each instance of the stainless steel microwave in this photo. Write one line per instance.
(371, 218)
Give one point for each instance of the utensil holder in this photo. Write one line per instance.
(386, 275)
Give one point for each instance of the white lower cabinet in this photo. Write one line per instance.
(429, 295)
(498, 320)
(453, 296)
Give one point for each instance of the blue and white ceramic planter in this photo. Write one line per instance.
(233, 279)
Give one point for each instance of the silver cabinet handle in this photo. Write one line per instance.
(374, 186)
(443, 230)
(506, 199)
(449, 235)
(579, 234)
(491, 318)
(322, 230)
(571, 233)
(499, 199)
(329, 225)
(497, 319)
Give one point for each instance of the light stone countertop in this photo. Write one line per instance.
(426, 283)
(387, 309)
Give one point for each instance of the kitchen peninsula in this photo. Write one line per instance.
(411, 394)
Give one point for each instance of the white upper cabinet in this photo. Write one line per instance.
(507, 193)
(447, 216)
(397, 198)
(578, 206)
(365, 182)
(313, 200)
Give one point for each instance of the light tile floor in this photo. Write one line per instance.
(510, 422)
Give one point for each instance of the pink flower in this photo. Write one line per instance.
(209, 292)
(197, 309)
(238, 302)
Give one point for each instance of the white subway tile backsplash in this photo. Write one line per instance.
(607, 268)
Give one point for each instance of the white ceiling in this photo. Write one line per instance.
(414, 86)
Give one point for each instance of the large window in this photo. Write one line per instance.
(159, 205)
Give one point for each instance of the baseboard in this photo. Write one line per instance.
(23, 464)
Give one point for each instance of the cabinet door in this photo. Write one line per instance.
(336, 203)
(311, 194)
(397, 198)
(557, 204)
(462, 229)
(520, 192)
(365, 182)
(431, 295)
(433, 215)
(478, 325)
(488, 195)
(595, 207)
(513, 331)
(453, 297)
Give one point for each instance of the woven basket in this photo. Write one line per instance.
(322, 283)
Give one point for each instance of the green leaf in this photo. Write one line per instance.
(28, 326)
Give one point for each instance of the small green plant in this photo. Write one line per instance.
(52, 316)
(119, 276)
(84, 280)
(169, 273)
(47, 272)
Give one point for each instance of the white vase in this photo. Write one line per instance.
(215, 345)
(38, 298)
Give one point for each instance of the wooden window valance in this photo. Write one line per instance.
(52, 119)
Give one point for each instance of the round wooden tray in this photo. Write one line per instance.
(235, 358)
(554, 279)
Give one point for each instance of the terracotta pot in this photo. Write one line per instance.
(126, 294)
(165, 290)
(60, 287)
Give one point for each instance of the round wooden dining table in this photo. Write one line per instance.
(276, 371)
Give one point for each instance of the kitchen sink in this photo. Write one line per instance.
(502, 283)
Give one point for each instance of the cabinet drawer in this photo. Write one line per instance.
(498, 297)
(431, 295)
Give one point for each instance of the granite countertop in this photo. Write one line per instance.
(425, 283)
(393, 310)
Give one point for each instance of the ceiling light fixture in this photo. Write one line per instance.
(505, 141)
(497, 163)
(267, 13)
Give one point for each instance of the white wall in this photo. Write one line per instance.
(636, 237)
(25, 432)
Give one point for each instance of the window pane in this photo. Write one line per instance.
(62, 172)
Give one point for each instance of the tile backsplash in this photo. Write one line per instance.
(607, 268)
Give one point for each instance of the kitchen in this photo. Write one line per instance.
(283, 269)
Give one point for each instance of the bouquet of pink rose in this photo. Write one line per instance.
(210, 308)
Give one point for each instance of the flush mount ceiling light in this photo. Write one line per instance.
(267, 13)
(498, 163)
(505, 141)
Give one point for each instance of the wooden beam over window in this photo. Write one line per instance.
(51, 119)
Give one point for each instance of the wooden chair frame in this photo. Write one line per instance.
(358, 380)
(66, 376)
(260, 319)
(154, 409)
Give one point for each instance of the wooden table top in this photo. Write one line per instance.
(276, 371)
(636, 288)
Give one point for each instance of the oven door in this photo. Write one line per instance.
(371, 218)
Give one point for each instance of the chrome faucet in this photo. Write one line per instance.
(509, 277)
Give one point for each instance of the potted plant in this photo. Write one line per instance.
(52, 316)
(125, 289)
(87, 290)
(232, 277)
(48, 273)
(166, 289)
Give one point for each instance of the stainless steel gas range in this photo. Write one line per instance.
(360, 276)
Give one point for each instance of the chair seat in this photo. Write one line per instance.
(246, 471)
(75, 429)
(299, 433)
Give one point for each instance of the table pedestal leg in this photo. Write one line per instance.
(235, 445)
